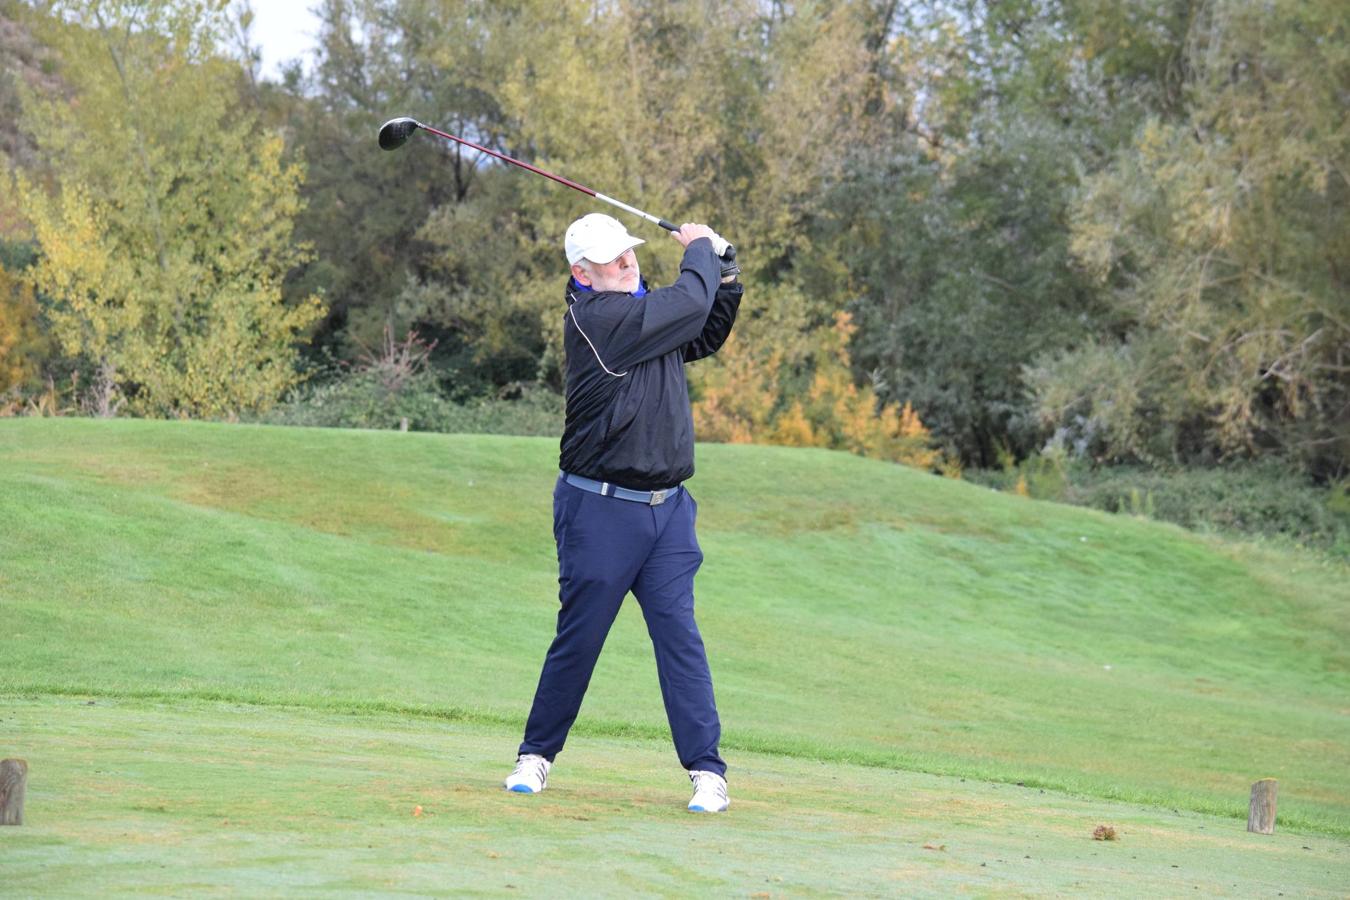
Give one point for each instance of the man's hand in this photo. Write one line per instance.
(692, 231)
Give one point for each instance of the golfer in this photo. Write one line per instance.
(621, 518)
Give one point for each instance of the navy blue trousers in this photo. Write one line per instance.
(606, 548)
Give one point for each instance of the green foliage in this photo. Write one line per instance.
(1117, 228)
(169, 225)
(963, 278)
(952, 229)
(1139, 47)
(1214, 233)
(362, 400)
(1268, 500)
(364, 208)
(17, 255)
(1264, 499)
(732, 114)
(394, 387)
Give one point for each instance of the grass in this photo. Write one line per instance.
(859, 615)
(201, 798)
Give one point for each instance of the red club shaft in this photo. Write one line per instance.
(655, 220)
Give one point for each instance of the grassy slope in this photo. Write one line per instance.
(854, 611)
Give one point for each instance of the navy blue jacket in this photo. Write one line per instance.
(628, 419)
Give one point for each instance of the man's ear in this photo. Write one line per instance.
(581, 275)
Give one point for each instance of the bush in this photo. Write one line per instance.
(1253, 499)
(364, 400)
(536, 412)
(744, 399)
(393, 386)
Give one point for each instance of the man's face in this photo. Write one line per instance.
(620, 275)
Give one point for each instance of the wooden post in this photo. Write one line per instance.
(13, 779)
(403, 423)
(1261, 813)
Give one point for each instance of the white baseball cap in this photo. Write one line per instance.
(599, 238)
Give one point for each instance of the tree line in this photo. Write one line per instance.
(970, 231)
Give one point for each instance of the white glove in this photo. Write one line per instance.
(720, 244)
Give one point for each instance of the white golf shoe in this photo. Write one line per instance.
(710, 792)
(530, 776)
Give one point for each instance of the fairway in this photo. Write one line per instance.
(220, 798)
(244, 655)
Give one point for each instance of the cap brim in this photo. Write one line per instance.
(614, 251)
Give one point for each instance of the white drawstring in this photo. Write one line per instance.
(572, 308)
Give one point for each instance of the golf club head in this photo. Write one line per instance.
(395, 132)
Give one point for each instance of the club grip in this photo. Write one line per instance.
(727, 256)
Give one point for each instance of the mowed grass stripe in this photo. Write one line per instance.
(773, 745)
(137, 798)
(853, 610)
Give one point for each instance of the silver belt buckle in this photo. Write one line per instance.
(658, 497)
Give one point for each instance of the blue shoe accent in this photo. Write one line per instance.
(521, 789)
(697, 809)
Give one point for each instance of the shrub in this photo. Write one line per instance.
(363, 399)
(1250, 499)
(535, 412)
(739, 402)
(394, 387)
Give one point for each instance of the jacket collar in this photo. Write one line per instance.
(576, 290)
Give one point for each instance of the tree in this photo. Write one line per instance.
(952, 227)
(364, 208)
(631, 102)
(1221, 236)
(23, 345)
(743, 114)
(163, 214)
(743, 402)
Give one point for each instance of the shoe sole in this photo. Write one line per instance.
(522, 789)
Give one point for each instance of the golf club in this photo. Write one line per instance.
(395, 133)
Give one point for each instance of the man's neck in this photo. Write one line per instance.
(587, 289)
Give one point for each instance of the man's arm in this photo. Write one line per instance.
(667, 318)
(718, 325)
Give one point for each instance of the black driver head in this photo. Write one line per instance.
(395, 132)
